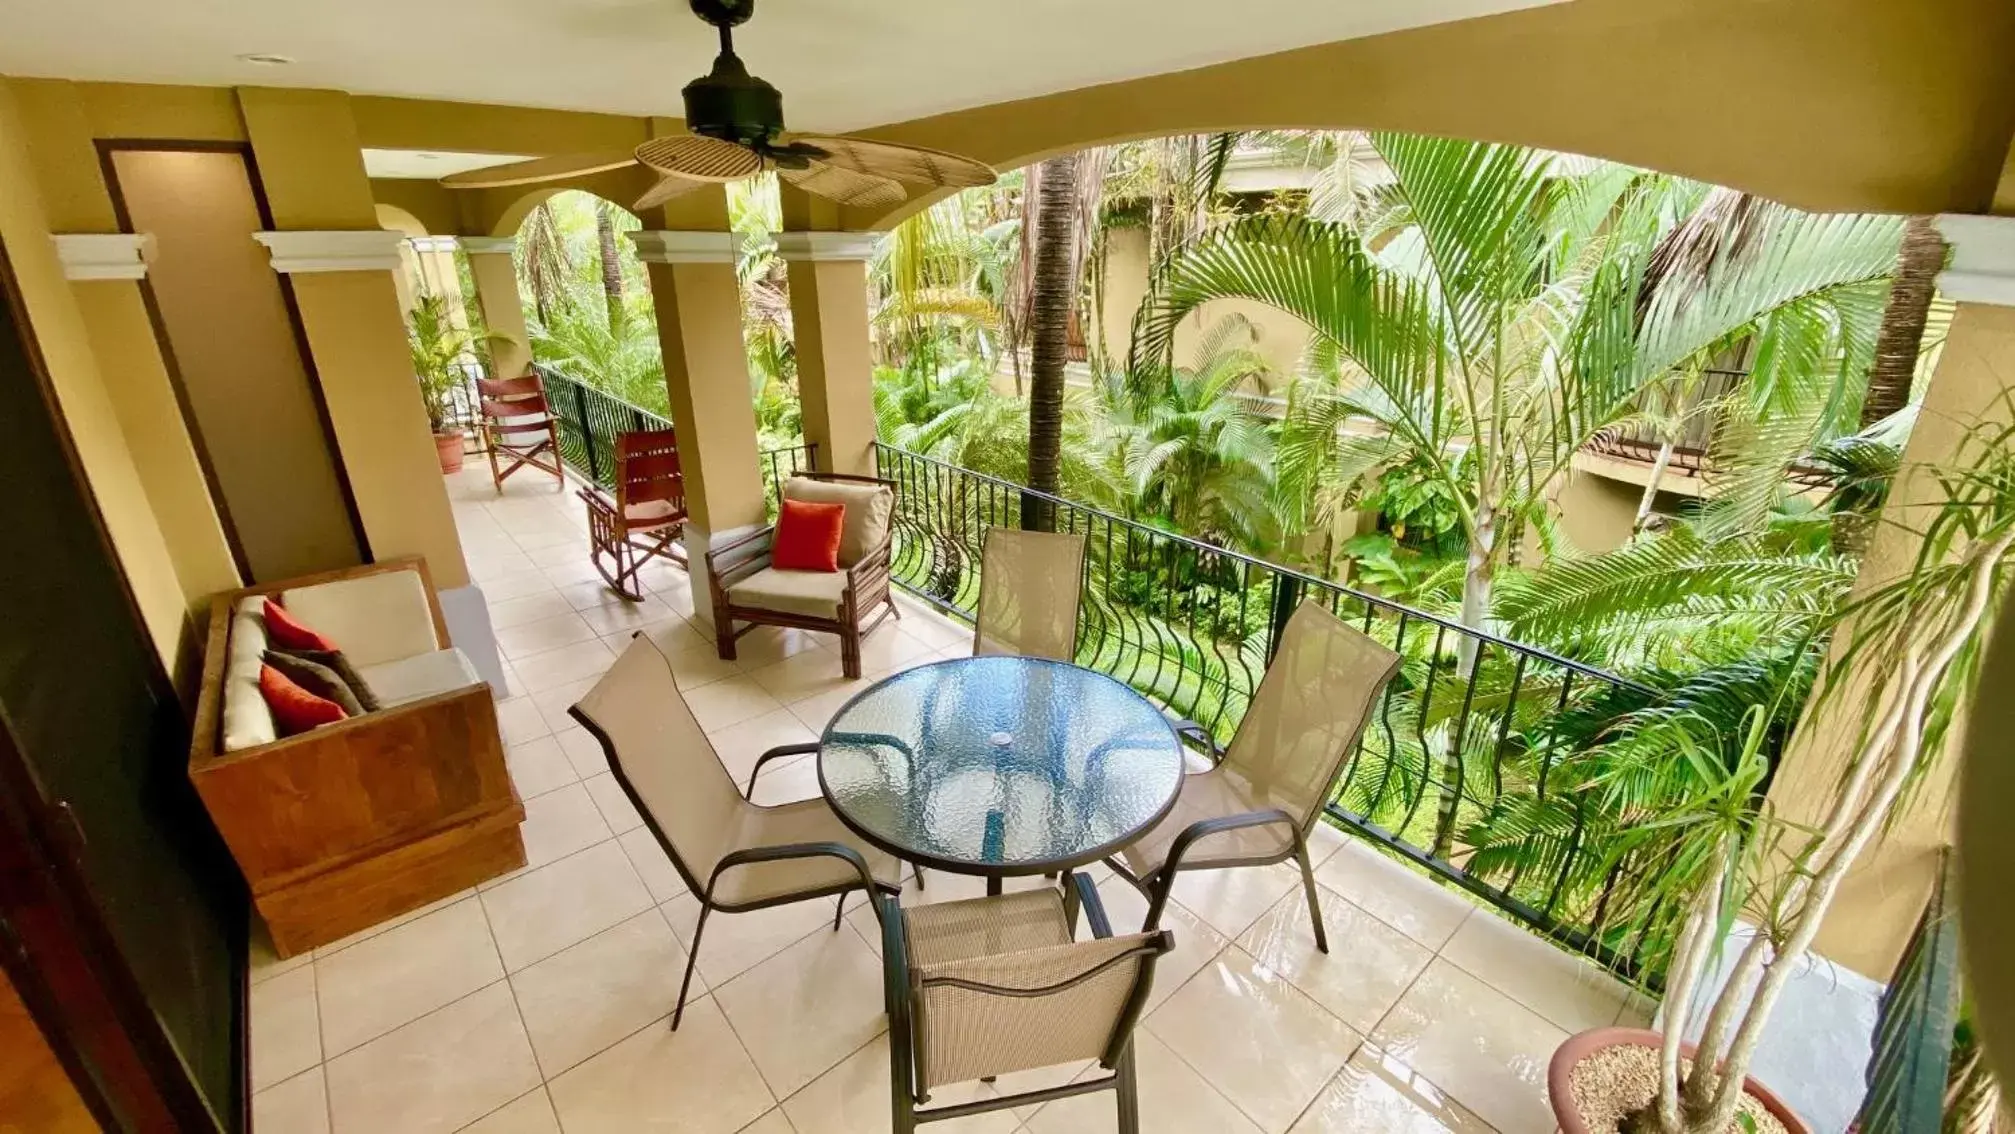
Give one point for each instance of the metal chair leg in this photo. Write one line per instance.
(1308, 885)
(692, 959)
(840, 908)
(1129, 1095)
(1156, 902)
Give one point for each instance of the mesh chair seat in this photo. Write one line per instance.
(1209, 795)
(807, 821)
(1006, 923)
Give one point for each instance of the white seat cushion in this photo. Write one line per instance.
(814, 594)
(373, 619)
(866, 523)
(248, 723)
(421, 676)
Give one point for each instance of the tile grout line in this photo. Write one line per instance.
(518, 1009)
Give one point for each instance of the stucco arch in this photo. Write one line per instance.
(501, 212)
(395, 219)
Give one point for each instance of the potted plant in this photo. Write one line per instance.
(438, 348)
(1910, 650)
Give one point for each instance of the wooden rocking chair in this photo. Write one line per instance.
(518, 424)
(647, 515)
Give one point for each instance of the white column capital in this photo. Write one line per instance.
(687, 247)
(478, 245)
(794, 246)
(104, 256)
(1982, 269)
(434, 243)
(343, 250)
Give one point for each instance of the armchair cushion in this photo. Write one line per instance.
(814, 594)
(867, 516)
(421, 676)
(372, 618)
(808, 536)
(292, 633)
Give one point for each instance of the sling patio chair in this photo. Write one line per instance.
(518, 425)
(1256, 804)
(988, 986)
(850, 602)
(645, 517)
(735, 856)
(1030, 588)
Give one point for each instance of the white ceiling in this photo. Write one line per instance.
(426, 165)
(842, 64)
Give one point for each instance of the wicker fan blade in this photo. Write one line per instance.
(539, 169)
(848, 187)
(669, 185)
(701, 159)
(903, 163)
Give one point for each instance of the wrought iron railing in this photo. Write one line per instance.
(1467, 726)
(591, 418)
(1912, 1061)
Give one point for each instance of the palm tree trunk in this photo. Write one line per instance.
(1053, 294)
(1651, 483)
(612, 268)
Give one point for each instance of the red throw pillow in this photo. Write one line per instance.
(808, 536)
(282, 631)
(295, 710)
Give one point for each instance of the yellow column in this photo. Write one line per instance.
(699, 308)
(1879, 903)
(829, 318)
(304, 144)
(497, 294)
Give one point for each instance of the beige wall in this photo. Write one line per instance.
(1279, 338)
(86, 406)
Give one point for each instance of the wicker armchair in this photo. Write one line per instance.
(1256, 805)
(518, 425)
(1030, 587)
(645, 517)
(734, 855)
(989, 986)
(849, 603)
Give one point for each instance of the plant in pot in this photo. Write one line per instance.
(1909, 649)
(438, 348)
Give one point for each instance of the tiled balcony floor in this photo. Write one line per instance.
(539, 1002)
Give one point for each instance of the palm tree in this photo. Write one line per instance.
(1918, 262)
(1053, 297)
(543, 263)
(612, 265)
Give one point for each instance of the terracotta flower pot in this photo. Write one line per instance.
(1560, 1084)
(449, 446)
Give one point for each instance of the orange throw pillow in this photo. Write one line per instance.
(808, 536)
(282, 631)
(295, 710)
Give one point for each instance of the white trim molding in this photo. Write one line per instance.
(794, 246)
(687, 247)
(434, 243)
(482, 245)
(345, 250)
(104, 256)
(1982, 269)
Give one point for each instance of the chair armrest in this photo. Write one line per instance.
(737, 542)
(772, 754)
(598, 500)
(1204, 828)
(841, 851)
(1089, 904)
(1203, 737)
(735, 560)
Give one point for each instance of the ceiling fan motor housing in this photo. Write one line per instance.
(734, 106)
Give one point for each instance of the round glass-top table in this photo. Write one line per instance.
(1000, 766)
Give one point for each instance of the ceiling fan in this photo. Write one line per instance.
(737, 131)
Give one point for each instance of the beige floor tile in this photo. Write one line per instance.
(772, 1123)
(788, 780)
(740, 746)
(553, 668)
(935, 630)
(299, 1105)
(1372, 1093)
(556, 825)
(768, 645)
(492, 562)
(697, 1080)
(1325, 840)
(1637, 1012)
(1367, 968)
(1477, 1044)
(1571, 992)
(519, 720)
(286, 1037)
(736, 942)
(266, 962)
(554, 702)
(588, 596)
(1174, 1099)
(583, 751)
(1231, 900)
(516, 585)
(342, 943)
(720, 704)
(853, 1098)
(1395, 895)
(653, 865)
(805, 1009)
(614, 805)
(584, 999)
(1256, 1038)
(891, 648)
(542, 912)
(694, 659)
(1196, 943)
(403, 974)
(531, 537)
(438, 1073)
(628, 617)
(539, 767)
(818, 710)
(545, 634)
(571, 573)
(506, 614)
(807, 674)
(529, 1113)
(558, 555)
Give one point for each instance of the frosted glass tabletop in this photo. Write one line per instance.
(1000, 765)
